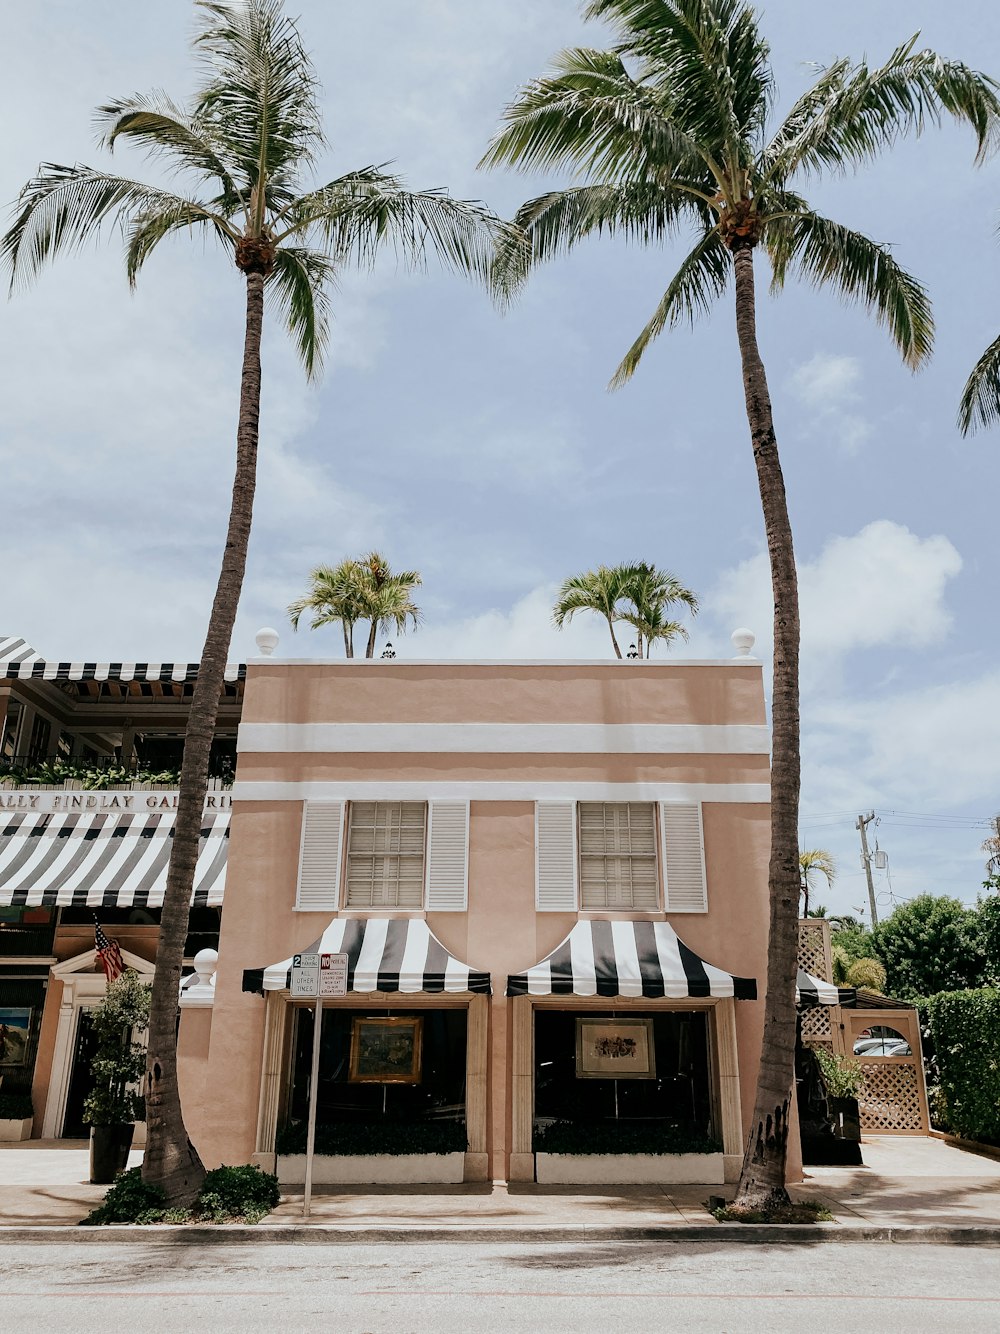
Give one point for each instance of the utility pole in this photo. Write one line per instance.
(866, 862)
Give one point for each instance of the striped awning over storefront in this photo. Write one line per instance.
(401, 954)
(811, 990)
(627, 959)
(101, 860)
(20, 662)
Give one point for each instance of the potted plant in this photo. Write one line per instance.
(114, 1103)
(844, 1080)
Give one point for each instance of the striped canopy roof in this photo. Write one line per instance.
(398, 954)
(811, 990)
(627, 959)
(91, 860)
(19, 661)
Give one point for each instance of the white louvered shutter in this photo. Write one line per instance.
(319, 856)
(555, 856)
(683, 857)
(448, 857)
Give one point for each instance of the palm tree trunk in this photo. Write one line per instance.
(762, 1179)
(348, 634)
(171, 1160)
(370, 646)
(614, 641)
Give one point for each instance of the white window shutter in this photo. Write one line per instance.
(555, 856)
(685, 888)
(318, 884)
(448, 857)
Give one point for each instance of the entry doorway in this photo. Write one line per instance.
(84, 1050)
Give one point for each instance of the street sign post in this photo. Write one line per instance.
(328, 978)
(305, 976)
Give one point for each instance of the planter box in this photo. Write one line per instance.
(15, 1130)
(628, 1169)
(373, 1169)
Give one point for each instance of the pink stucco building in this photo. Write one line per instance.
(551, 882)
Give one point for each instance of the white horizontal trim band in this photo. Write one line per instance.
(504, 738)
(493, 791)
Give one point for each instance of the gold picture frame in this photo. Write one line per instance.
(615, 1049)
(386, 1050)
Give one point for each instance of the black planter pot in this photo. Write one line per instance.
(109, 1148)
(846, 1118)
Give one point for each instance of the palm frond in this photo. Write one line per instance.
(709, 61)
(299, 286)
(980, 405)
(260, 93)
(164, 130)
(701, 279)
(146, 230)
(862, 270)
(365, 212)
(645, 213)
(858, 113)
(590, 115)
(63, 207)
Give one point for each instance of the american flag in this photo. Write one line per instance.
(108, 953)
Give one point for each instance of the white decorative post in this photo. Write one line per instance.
(267, 641)
(743, 641)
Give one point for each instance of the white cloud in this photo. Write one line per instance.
(829, 386)
(883, 586)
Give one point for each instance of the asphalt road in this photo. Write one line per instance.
(155, 1288)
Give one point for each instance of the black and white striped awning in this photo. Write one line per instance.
(93, 860)
(20, 662)
(811, 990)
(398, 954)
(627, 959)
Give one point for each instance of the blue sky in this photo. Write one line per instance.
(485, 450)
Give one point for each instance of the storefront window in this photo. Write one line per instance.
(21, 1003)
(664, 1059)
(398, 1068)
(26, 931)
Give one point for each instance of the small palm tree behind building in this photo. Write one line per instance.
(815, 862)
(638, 594)
(365, 590)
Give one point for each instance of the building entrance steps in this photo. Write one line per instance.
(906, 1183)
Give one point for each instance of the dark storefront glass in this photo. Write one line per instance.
(437, 1095)
(679, 1095)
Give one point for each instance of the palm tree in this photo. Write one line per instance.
(359, 590)
(814, 862)
(980, 402)
(600, 591)
(651, 592)
(244, 144)
(671, 127)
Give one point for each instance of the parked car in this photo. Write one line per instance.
(882, 1047)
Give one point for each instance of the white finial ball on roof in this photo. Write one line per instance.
(205, 964)
(743, 641)
(267, 641)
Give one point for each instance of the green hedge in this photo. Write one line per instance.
(965, 1031)
(619, 1137)
(378, 1137)
(242, 1194)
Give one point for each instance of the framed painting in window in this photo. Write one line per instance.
(386, 1051)
(15, 1029)
(615, 1049)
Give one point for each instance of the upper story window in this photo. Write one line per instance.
(617, 842)
(385, 854)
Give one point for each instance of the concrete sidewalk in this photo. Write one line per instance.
(905, 1184)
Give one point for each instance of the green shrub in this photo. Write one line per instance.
(843, 1077)
(387, 1137)
(965, 1030)
(619, 1137)
(119, 1061)
(245, 1193)
(129, 1200)
(15, 1106)
(867, 974)
(227, 1195)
